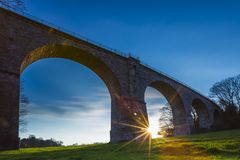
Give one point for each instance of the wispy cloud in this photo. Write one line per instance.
(154, 101)
(98, 104)
(154, 109)
(153, 94)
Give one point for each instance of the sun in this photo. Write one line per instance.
(150, 130)
(153, 130)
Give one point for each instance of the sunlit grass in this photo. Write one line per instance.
(223, 145)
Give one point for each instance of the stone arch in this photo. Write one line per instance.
(78, 55)
(202, 114)
(181, 126)
(89, 60)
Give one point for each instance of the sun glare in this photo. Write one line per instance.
(150, 130)
(153, 130)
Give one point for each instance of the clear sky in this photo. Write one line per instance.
(197, 42)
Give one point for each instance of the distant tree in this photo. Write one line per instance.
(227, 94)
(74, 144)
(166, 121)
(195, 119)
(13, 4)
(32, 141)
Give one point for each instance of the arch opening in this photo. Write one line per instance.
(159, 113)
(172, 105)
(87, 61)
(78, 55)
(200, 115)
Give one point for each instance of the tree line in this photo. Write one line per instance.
(32, 141)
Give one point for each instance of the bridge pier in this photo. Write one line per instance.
(182, 123)
(182, 130)
(9, 112)
(129, 121)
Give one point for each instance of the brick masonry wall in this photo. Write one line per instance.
(24, 41)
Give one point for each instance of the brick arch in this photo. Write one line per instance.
(75, 54)
(202, 114)
(174, 99)
(124, 76)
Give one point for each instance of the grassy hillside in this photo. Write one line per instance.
(217, 145)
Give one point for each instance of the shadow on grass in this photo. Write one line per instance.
(98, 152)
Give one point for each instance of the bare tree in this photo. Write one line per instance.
(195, 118)
(194, 114)
(13, 4)
(166, 121)
(227, 92)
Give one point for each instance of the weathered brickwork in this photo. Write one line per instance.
(24, 41)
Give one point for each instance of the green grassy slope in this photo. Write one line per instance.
(216, 145)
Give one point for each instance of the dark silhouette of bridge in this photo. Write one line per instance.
(24, 41)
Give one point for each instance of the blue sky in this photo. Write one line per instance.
(196, 42)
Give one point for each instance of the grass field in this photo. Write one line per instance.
(223, 145)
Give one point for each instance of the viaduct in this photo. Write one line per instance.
(24, 41)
